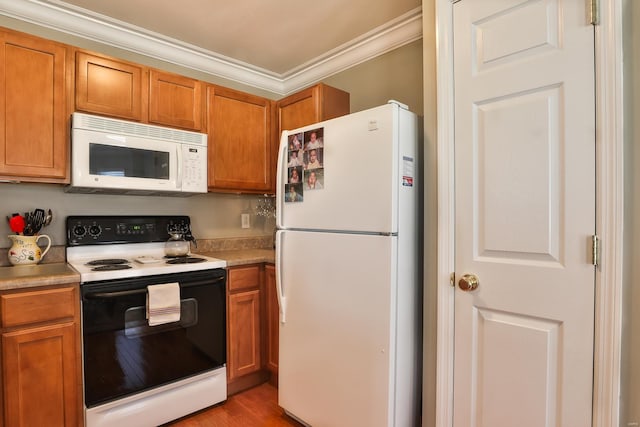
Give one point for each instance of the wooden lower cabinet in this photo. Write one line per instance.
(244, 333)
(41, 359)
(244, 328)
(272, 320)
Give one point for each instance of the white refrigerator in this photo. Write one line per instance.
(349, 281)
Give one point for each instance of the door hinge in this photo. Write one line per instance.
(595, 12)
(452, 279)
(595, 250)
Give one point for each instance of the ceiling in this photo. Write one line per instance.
(277, 45)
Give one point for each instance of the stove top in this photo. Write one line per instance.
(133, 260)
(119, 247)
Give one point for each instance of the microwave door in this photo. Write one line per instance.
(124, 162)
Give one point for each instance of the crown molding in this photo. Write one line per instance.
(79, 22)
(392, 35)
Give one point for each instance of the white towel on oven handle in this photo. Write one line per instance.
(163, 303)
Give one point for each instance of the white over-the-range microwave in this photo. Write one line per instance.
(121, 157)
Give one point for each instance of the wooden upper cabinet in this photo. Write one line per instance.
(175, 100)
(111, 87)
(34, 108)
(311, 105)
(130, 91)
(240, 143)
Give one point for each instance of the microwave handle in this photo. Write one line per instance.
(179, 160)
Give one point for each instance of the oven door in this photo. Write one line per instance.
(123, 355)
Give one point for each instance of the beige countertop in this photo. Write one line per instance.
(28, 276)
(59, 273)
(244, 256)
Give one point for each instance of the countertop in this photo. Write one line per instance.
(29, 276)
(59, 273)
(244, 256)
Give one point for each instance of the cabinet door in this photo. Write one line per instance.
(311, 105)
(111, 87)
(272, 319)
(244, 333)
(240, 147)
(175, 100)
(33, 108)
(41, 384)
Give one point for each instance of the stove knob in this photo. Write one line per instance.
(95, 230)
(79, 230)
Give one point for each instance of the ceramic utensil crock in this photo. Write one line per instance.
(25, 250)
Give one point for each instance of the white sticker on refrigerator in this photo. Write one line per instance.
(407, 171)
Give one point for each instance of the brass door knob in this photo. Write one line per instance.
(468, 282)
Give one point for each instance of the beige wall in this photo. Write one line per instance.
(394, 75)
(630, 366)
(213, 215)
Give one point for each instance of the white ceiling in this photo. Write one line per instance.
(278, 45)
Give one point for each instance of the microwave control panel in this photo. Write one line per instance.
(194, 168)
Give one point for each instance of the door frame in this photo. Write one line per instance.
(609, 211)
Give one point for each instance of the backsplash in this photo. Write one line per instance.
(213, 215)
(57, 253)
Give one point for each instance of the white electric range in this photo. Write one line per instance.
(135, 373)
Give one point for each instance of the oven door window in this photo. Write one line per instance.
(123, 355)
(112, 160)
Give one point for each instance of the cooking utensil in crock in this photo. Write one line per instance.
(16, 224)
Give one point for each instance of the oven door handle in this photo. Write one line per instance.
(116, 294)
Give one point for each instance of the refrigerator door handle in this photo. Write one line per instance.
(281, 298)
(280, 174)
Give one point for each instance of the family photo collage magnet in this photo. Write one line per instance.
(305, 167)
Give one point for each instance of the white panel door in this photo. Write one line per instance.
(337, 341)
(525, 213)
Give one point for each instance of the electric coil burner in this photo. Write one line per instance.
(185, 260)
(110, 261)
(136, 373)
(109, 264)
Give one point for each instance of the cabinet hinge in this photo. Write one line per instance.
(595, 12)
(452, 279)
(595, 250)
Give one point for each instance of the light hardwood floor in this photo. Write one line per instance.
(256, 407)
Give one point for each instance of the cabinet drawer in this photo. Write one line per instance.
(22, 308)
(244, 277)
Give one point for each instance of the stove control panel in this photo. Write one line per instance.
(94, 230)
